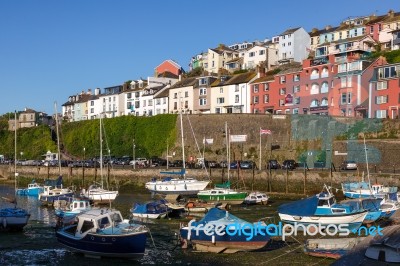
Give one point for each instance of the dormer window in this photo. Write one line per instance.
(203, 81)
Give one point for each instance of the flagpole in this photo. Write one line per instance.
(260, 150)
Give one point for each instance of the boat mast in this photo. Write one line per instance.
(101, 154)
(366, 160)
(183, 143)
(15, 151)
(58, 140)
(228, 166)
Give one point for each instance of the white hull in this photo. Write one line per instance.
(149, 216)
(101, 195)
(14, 222)
(177, 186)
(324, 220)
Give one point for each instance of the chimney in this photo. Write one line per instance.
(391, 13)
(328, 27)
(89, 92)
(180, 77)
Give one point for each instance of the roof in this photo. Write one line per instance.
(241, 78)
(289, 31)
(172, 62)
(263, 79)
(28, 110)
(322, 31)
(185, 83)
(376, 20)
(162, 93)
(167, 74)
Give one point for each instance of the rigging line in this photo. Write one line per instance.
(198, 147)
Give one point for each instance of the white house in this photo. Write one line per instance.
(294, 45)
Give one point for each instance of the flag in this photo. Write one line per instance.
(265, 131)
(208, 141)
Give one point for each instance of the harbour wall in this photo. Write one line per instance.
(274, 181)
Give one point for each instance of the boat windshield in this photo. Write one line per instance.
(86, 226)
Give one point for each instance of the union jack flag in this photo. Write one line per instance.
(265, 131)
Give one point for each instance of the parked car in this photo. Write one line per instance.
(289, 164)
(273, 164)
(176, 163)
(233, 165)
(139, 161)
(155, 161)
(223, 164)
(348, 165)
(213, 164)
(248, 165)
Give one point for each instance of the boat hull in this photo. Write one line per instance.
(13, 219)
(99, 245)
(236, 198)
(354, 221)
(225, 243)
(180, 186)
(50, 199)
(102, 197)
(29, 192)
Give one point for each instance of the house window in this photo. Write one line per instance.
(186, 104)
(343, 82)
(266, 98)
(283, 79)
(175, 105)
(158, 101)
(296, 89)
(220, 100)
(314, 103)
(324, 87)
(381, 114)
(382, 85)
(150, 102)
(203, 81)
(221, 90)
(255, 88)
(236, 88)
(251, 54)
(255, 99)
(296, 77)
(203, 91)
(129, 105)
(266, 87)
(186, 94)
(343, 98)
(324, 102)
(91, 103)
(175, 95)
(296, 100)
(349, 97)
(236, 98)
(296, 111)
(314, 88)
(282, 91)
(261, 52)
(137, 94)
(92, 110)
(144, 103)
(129, 95)
(381, 99)
(282, 102)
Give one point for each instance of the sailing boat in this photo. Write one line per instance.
(96, 192)
(223, 192)
(53, 189)
(14, 218)
(181, 186)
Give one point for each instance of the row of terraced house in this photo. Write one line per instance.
(322, 72)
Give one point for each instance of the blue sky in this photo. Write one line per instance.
(51, 49)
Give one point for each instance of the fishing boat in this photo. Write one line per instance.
(388, 207)
(362, 189)
(223, 192)
(76, 207)
(386, 248)
(14, 218)
(256, 198)
(104, 233)
(96, 192)
(180, 185)
(151, 210)
(33, 189)
(330, 248)
(372, 205)
(322, 209)
(216, 239)
(51, 193)
(225, 195)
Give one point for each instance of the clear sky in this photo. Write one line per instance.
(52, 49)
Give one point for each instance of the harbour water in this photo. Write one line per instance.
(37, 244)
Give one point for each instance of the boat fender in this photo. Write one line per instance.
(213, 239)
(190, 205)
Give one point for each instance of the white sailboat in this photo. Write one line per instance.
(181, 186)
(97, 192)
(14, 218)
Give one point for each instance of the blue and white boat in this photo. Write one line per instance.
(33, 189)
(54, 191)
(13, 218)
(388, 207)
(76, 207)
(362, 189)
(151, 210)
(372, 205)
(218, 240)
(104, 233)
(322, 209)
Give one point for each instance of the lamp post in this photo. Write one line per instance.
(133, 153)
